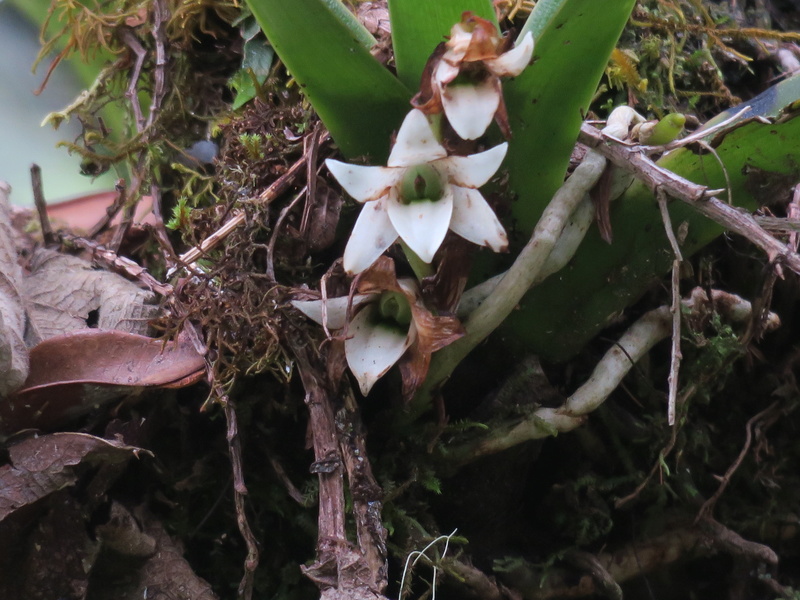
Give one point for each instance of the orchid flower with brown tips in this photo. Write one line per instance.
(462, 77)
(389, 325)
(418, 196)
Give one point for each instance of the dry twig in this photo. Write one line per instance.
(275, 189)
(675, 309)
(239, 493)
(697, 196)
(764, 416)
(41, 204)
(117, 263)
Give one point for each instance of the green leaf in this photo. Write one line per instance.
(324, 48)
(418, 26)
(256, 64)
(541, 15)
(570, 307)
(546, 103)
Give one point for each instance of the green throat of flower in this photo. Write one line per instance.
(421, 183)
(394, 309)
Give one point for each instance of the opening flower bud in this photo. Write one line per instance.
(421, 182)
(395, 307)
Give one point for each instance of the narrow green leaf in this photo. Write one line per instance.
(546, 103)
(419, 25)
(358, 99)
(540, 17)
(570, 307)
(349, 20)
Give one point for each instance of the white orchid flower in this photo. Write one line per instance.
(418, 196)
(390, 325)
(462, 77)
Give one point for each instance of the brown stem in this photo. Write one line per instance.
(364, 490)
(698, 196)
(239, 493)
(327, 462)
(118, 263)
(41, 204)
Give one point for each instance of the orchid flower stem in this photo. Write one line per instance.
(421, 269)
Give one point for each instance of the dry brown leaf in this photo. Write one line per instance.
(64, 293)
(48, 550)
(73, 373)
(13, 353)
(39, 466)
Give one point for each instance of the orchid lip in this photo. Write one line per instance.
(421, 182)
(395, 309)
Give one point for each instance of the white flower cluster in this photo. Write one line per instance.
(417, 197)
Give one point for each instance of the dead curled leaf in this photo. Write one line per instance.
(64, 293)
(39, 466)
(73, 373)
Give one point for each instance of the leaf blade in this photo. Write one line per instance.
(358, 99)
(546, 103)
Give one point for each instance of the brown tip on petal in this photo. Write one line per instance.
(428, 99)
(501, 117)
(485, 40)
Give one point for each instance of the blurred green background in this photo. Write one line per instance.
(24, 141)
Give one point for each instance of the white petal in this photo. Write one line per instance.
(470, 108)
(475, 170)
(513, 62)
(422, 225)
(415, 143)
(445, 72)
(335, 309)
(474, 220)
(361, 182)
(372, 349)
(373, 233)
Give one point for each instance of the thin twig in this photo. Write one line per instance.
(662, 455)
(239, 493)
(275, 189)
(291, 488)
(111, 211)
(675, 308)
(697, 196)
(118, 263)
(270, 270)
(160, 16)
(128, 213)
(41, 205)
(793, 214)
(312, 150)
(708, 505)
(128, 36)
